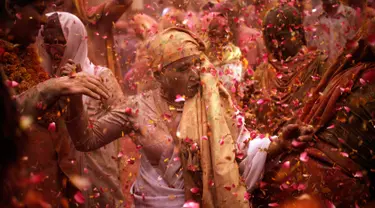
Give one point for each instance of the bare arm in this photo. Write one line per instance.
(110, 11)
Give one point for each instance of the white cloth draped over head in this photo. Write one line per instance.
(76, 44)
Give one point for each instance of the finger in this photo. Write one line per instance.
(305, 138)
(79, 68)
(70, 61)
(96, 81)
(291, 131)
(88, 92)
(66, 72)
(307, 130)
(97, 89)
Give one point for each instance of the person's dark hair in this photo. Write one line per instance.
(11, 137)
(4, 4)
(208, 6)
(279, 19)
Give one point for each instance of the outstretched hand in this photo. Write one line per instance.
(296, 136)
(74, 81)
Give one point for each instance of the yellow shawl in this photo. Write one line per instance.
(207, 132)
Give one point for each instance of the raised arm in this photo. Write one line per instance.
(35, 101)
(90, 135)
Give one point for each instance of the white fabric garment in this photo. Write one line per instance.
(98, 166)
(330, 33)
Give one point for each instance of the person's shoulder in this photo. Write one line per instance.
(313, 15)
(349, 11)
(146, 98)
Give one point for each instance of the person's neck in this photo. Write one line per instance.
(331, 11)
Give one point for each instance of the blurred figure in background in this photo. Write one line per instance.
(63, 43)
(281, 85)
(12, 140)
(138, 78)
(140, 28)
(250, 37)
(329, 26)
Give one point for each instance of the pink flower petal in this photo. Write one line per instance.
(204, 138)
(331, 126)
(304, 157)
(52, 127)
(286, 164)
(179, 98)
(358, 174)
(273, 204)
(211, 183)
(194, 147)
(260, 101)
(240, 155)
(96, 195)
(80, 199)
(329, 204)
(296, 143)
(347, 109)
(344, 154)
(246, 196)
(279, 75)
(194, 190)
(301, 187)
(191, 204)
(120, 154)
(19, 16)
(11, 84)
(176, 159)
(362, 81)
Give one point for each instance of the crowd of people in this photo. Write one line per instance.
(235, 104)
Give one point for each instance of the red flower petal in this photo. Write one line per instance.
(80, 199)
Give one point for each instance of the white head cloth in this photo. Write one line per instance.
(76, 49)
